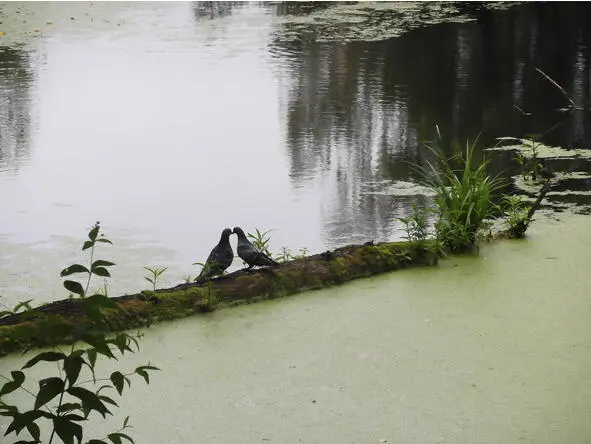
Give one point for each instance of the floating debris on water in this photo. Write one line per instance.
(526, 148)
(373, 21)
(397, 188)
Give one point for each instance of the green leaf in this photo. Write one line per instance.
(107, 241)
(76, 268)
(101, 271)
(11, 410)
(99, 343)
(91, 352)
(96, 441)
(26, 304)
(74, 287)
(22, 420)
(72, 417)
(34, 431)
(99, 301)
(93, 234)
(101, 263)
(117, 380)
(18, 378)
(45, 356)
(67, 430)
(125, 422)
(149, 280)
(143, 373)
(116, 438)
(87, 245)
(90, 401)
(49, 388)
(72, 366)
(122, 342)
(68, 407)
(108, 400)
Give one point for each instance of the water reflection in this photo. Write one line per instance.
(196, 116)
(357, 112)
(15, 115)
(213, 10)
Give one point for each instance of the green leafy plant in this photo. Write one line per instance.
(261, 239)
(463, 197)
(155, 272)
(516, 215)
(20, 307)
(530, 163)
(66, 400)
(302, 252)
(416, 225)
(285, 255)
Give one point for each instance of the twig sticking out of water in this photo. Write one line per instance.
(560, 88)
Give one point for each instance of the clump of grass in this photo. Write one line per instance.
(517, 215)
(416, 226)
(463, 197)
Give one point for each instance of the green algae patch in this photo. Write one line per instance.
(59, 322)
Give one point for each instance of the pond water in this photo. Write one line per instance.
(487, 349)
(170, 121)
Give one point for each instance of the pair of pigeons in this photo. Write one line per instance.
(222, 255)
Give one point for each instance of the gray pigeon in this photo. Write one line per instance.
(219, 259)
(249, 253)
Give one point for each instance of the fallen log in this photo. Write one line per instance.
(53, 323)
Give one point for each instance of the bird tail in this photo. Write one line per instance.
(271, 262)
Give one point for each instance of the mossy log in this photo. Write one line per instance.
(53, 323)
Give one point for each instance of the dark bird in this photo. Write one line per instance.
(249, 253)
(219, 259)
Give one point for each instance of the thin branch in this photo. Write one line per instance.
(560, 88)
(99, 379)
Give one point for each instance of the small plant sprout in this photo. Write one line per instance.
(285, 255)
(156, 272)
(261, 239)
(20, 307)
(516, 213)
(302, 253)
(416, 225)
(205, 268)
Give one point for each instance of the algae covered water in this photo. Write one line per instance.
(487, 349)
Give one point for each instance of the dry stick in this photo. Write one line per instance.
(560, 88)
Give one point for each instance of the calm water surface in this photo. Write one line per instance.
(170, 121)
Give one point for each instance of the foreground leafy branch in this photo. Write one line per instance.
(63, 400)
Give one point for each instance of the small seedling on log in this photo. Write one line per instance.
(156, 272)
